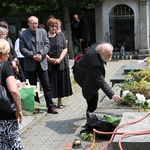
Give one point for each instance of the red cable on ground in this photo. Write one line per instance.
(124, 133)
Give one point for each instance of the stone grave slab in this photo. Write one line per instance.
(138, 142)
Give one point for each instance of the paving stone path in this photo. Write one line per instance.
(57, 132)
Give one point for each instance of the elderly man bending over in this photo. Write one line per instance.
(89, 73)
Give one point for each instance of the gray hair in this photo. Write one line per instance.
(101, 48)
(3, 31)
(22, 29)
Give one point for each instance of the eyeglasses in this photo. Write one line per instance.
(3, 34)
(54, 26)
(34, 23)
(4, 26)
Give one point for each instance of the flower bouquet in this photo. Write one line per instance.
(135, 100)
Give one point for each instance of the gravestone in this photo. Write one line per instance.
(138, 142)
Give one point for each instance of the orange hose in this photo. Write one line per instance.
(132, 133)
(124, 133)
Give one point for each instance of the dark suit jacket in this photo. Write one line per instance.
(83, 27)
(89, 73)
(28, 48)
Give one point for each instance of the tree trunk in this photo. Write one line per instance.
(66, 22)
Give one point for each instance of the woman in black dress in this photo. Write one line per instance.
(58, 65)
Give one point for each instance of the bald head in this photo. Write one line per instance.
(33, 23)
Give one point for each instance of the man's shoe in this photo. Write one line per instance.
(36, 111)
(52, 110)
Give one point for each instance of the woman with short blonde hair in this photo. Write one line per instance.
(9, 136)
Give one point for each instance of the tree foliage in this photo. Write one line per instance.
(9, 7)
(83, 4)
(65, 7)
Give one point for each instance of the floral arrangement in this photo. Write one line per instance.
(142, 87)
(135, 100)
(135, 90)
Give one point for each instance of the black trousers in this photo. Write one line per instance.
(44, 80)
(21, 62)
(92, 103)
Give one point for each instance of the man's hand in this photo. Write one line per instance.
(81, 40)
(37, 57)
(116, 98)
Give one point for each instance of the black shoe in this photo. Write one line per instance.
(52, 110)
(36, 111)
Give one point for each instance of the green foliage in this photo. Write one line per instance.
(141, 86)
(114, 120)
(86, 4)
(129, 99)
(137, 83)
(136, 101)
(87, 136)
(142, 74)
(19, 6)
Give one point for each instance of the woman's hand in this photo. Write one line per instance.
(16, 69)
(14, 64)
(51, 60)
(19, 116)
(58, 60)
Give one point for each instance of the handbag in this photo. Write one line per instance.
(6, 103)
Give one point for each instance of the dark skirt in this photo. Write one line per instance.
(60, 82)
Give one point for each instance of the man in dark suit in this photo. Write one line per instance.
(83, 31)
(89, 73)
(34, 45)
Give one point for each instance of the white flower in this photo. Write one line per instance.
(148, 102)
(148, 105)
(124, 93)
(140, 99)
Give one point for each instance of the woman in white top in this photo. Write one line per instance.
(19, 55)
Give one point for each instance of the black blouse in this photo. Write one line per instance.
(57, 45)
(6, 72)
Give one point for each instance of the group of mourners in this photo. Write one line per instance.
(38, 55)
(42, 55)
